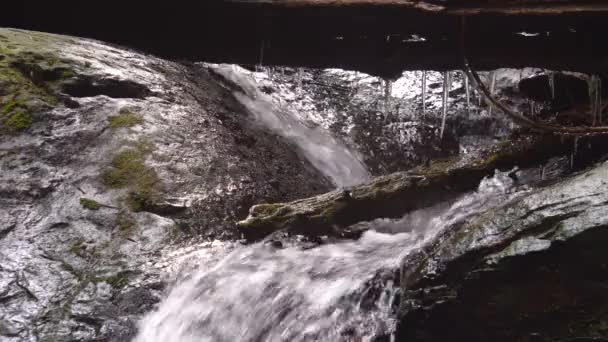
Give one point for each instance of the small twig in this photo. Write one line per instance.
(79, 189)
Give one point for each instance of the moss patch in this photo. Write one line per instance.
(90, 204)
(125, 223)
(125, 119)
(128, 170)
(78, 248)
(117, 281)
(17, 121)
(28, 75)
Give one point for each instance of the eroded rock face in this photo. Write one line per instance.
(532, 269)
(107, 156)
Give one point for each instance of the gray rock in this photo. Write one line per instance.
(532, 269)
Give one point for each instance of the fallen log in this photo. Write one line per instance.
(394, 195)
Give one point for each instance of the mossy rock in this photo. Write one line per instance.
(125, 222)
(90, 204)
(17, 121)
(78, 248)
(32, 73)
(128, 170)
(125, 120)
(118, 281)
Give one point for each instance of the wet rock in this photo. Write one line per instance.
(532, 269)
(160, 153)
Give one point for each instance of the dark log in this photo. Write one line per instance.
(370, 36)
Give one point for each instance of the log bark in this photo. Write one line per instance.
(394, 195)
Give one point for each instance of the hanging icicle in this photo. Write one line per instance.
(574, 150)
(388, 86)
(532, 108)
(542, 172)
(492, 89)
(551, 76)
(423, 92)
(299, 78)
(594, 98)
(600, 108)
(261, 57)
(446, 89)
(467, 91)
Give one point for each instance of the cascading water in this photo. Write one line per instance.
(334, 292)
(328, 155)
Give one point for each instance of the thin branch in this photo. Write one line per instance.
(517, 117)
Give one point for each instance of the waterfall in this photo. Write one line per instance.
(327, 154)
(335, 292)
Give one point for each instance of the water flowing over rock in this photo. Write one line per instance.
(334, 292)
(331, 157)
(115, 156)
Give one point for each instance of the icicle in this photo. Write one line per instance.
(542, 172)
(521, 75)
(300, 76)
(593, 84)
(446, 89)
(423, 92)
(492, 89)
(532, 108)
(388, 85)
(599, 100)
(573, 155)
(261, 61)
(467, 91)
(552, 84)
(356, 80)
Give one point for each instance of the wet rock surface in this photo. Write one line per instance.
(107, 156)
(532, 269)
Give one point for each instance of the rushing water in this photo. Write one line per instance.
(327, 154)
(334, 292)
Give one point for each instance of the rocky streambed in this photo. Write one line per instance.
(123, 177)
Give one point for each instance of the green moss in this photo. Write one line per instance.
(70, 269)
(78, 248)
(119, 280)
(128, 170)
(90, 204)
(10, 106)
(125, 223)
(127, 167)
(138, 200)
(125, 119)
(67, 73)
(267, 209)
(17, 121)
(144, 146)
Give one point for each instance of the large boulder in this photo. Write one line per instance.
(106, 157)
(532, 269)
